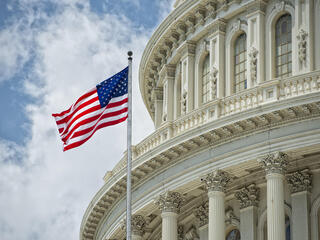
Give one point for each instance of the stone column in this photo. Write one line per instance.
(138, 225)
(201, 213)
(169, 204)
(216, 183)
(217, 60)
(167, 74)
(275, 166)
(300, 185)
(157, 98)
(248, 198)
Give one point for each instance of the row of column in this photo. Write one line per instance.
(212, 214)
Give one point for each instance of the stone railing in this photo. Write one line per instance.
(267, 92)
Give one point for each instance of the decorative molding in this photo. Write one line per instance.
(180, 232)
(201, 213)
(230, 218)
(170, 202)
(300, 181)
(274, 162)
(216, 180)
(191, 234)
(213, 82)
(157, 94)
(184, 102)
(248, 196)
(253, 55)
(302, 45)
(280, 6)
(138, 225)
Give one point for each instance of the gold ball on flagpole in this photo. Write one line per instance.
(130, 54)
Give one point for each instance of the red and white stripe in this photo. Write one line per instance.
(77, 124)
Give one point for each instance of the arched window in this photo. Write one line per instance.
(205, 80)
(240, 63)
(283, 46)
(233, 235)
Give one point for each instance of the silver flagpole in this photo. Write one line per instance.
(129, 136)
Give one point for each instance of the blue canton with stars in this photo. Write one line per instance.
(115, 86)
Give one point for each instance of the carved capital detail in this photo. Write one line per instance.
(300, 181)
(274, 162)
(202, 213)
(138, 224)
(217, 180)
(248, 196)
(170, 202)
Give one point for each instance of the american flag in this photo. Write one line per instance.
(102, 106)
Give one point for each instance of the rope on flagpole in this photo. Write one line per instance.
(129, 139)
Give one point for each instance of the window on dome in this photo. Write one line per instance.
(283, 46)
(240, 61)
(206, 80)
(233, 235)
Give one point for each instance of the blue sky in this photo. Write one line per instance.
(51, 51)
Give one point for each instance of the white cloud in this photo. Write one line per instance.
(44, 192)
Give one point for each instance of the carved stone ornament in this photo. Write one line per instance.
(253, 55)
(300, 181)
(248, 196)
(280, 6)
(202, 213)
(302, 45)
(184, 102)
(180, 232)
(213, 81)
(274, 162)
(230, 217)
(169, 202)
(138, 225)
(236, 26)
(216, 181)
(191, 234)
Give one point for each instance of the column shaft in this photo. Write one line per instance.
(216, 215)
(275, 207)
(169, 226)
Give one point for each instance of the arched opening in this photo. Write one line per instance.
(240, 63)
(233, 235)
(283, 51)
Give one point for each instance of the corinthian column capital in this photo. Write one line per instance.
(216, 180)
(274, 162)
(170, 202)
(300, 181)
(138, 224)
(248, 196)
(202, 213)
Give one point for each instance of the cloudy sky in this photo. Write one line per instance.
(52, 51)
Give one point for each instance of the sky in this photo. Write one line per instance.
(51, 52)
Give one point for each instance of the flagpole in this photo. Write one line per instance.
(129, 139)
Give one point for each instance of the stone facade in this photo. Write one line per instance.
(244, 158)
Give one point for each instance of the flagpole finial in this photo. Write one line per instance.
(130, 55)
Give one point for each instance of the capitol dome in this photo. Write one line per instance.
(233, 89)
